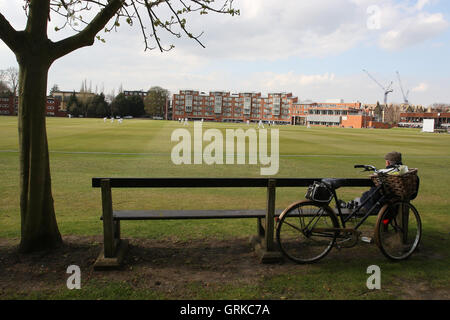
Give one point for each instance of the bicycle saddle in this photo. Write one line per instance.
(334, 183)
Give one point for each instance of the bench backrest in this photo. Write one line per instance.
(218, 182)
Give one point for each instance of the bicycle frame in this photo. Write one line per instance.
(355, 211)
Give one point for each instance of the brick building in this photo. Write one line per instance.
(283, 108)
(54, 109)
(331, 114)
(363, 121)
(415, 119)
(226, 107)
(9, 106)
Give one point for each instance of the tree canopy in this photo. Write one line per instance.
(155, 101)
(9, 79)
(127, 106)
(152, 16)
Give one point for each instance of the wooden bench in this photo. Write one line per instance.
(114, 248)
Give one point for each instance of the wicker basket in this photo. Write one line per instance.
(403, 186)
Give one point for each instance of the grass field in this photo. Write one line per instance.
(84, 148)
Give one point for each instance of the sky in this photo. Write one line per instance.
(315, 49)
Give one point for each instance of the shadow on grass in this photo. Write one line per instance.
(220, 269)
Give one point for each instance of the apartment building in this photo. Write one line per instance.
(283, 108)
(226, 107)
(9, 105)
(53, 108)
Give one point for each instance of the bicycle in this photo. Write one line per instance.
(307, 230)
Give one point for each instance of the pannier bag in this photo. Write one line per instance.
(318, 192)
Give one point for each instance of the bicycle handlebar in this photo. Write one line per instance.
(366, 167)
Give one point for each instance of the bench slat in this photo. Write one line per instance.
(193, 214)
(188, 214)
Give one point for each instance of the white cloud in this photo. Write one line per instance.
(413, 30)
(405, 25)
(422, 87)
(306, 86)
(269, 32)
(421, 3)
(292, 79)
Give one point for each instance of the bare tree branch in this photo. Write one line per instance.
(182, 25)
(11, 77)
(87, 36)
(142, 27)
(70, 9)
(9, 35)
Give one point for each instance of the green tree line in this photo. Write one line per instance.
(96, 106)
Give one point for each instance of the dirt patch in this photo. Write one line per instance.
(164, 265)
(421, 291)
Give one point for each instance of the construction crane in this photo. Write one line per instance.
(405, 97)
(386, 90)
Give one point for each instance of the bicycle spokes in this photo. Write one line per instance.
(301, 235)
(399, 230)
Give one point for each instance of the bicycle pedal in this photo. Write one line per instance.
(366, 239)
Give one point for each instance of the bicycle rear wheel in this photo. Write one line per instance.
(300, 231)
(398, 230)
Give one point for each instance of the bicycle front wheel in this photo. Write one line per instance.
(306, 231)
(398, 230)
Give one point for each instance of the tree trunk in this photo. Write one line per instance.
(35, 53)
(39, 228)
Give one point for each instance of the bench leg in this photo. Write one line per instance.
(268, 252)
(113, 248)
(109, 242)
(270, 214)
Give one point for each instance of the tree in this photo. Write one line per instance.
(54, 89)
(3, 85)
(74, 106)
(35, 53)
(4, 88)
(120, 106)
(10, 77)
(155, 101)
(136, 106)
(390, 114)
(98, 107)
(123, 105)
(378, 112)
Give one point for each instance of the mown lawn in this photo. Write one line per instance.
(84, 148)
